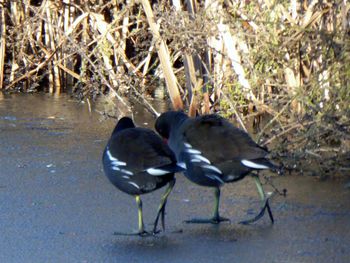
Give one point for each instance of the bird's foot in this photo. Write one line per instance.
(156, 232)
(142, 233)
(260, 215)
(213, 220)
(177, 231)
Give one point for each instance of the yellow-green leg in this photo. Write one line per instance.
(161, 208)
(216, 218)
(140, 215)
(265, 204)
(141, 231)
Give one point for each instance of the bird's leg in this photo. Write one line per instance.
(161, 208)
(216, 216)
(140, 215)
(265, 204)
(216, 219)
(141, 231)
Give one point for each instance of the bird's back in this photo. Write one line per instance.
(213, 149)
(130, 154)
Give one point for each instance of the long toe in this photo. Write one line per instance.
(269, 211)
(145, 234)
(155, 225)
(250, 221)
(156, 232)
(218, 220)
(214, 220)
(260, 215)
(136, 233)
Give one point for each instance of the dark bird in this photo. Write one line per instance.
(137, 161)
(214, 152)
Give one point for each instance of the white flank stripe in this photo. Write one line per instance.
(126, 172)
(253, 165)
(211, 167)
(110, 157)
(200, 157)
(230, 177)
(156, 172)
(126, 177)
(115, 168)
(133, 184)
(219, 179)
(214, 177)
(195, 161)
(118, 163)
(187, 145)
(114, 160)
(182, 165)
(192, 151)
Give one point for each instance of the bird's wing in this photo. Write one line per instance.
(219, 141)
(140, 149)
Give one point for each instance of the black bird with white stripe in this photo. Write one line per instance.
(214, 152)
(137, 161)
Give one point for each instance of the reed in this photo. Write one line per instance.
(2, 42)
(265, 48)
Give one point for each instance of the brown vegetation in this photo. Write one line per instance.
(285, 61)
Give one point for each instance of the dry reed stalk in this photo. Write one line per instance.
(122, 38)
(232, 52)
(194, 103)
(125, 27)
(237, 114)
(293, 83)
(287, 130)
(67, 66)
(276, 118)
(229, 48)
(49, 43)
(16, 20)
(218, 62)
(164, 58)
(146, 62)
(2, 43)
(49, 56)
(307, 20)
(97, 21)
(192, 65)
(53, 25)
(123, 106)
(145, 102)
(68, 72)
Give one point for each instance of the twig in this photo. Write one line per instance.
(313, 154)
(272, 120)
(49, 57)
(298, 125)
(235, 112)
(163, 54)
(147, 105)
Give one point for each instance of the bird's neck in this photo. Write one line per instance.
(178, 119)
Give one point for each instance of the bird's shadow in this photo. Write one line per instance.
(200, 237)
